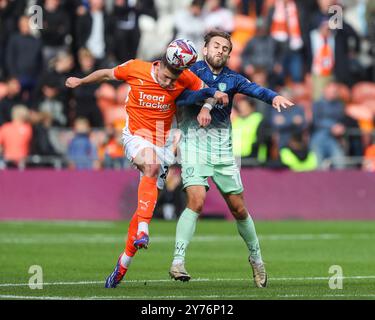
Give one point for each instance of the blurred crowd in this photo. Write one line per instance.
(305, 49)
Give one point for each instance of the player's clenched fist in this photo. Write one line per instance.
(221, 98)
(204, 117)
(73, 82)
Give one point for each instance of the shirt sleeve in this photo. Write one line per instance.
(251, 89)
(193, 82)
(189, 97)
(121, 72)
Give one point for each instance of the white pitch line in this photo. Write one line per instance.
(62, 224)
(15, 238)
(193, 280)
(186, 297)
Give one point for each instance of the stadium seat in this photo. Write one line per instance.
(370, 104)
(363, 91)
(244, 29)
(363, 114)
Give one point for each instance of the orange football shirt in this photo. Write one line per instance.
(150, 108)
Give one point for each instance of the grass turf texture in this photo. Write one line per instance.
(76, 257)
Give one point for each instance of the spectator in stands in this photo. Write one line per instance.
(56, 28)
(353, 137)
(321, 13)
(106, 100)
(328, 128)
(250, 132)
(41, 144)
(246, 7)
(12, 97)
(60, 67)
(323, 58)
(3, 90)
(126, 31)
(296, 154)
(85, 96)
(189, 24)
(284, 22)
(82, 153)
(370, 18)
(24, 57)
(15, 137)
(261, 78)
(217, 17)
(284, 124)
(348, 69)
(262, 52)
(10, 11)
(114, 149)
(334, 53)
(50, 102)
(93, 30)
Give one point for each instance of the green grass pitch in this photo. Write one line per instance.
(76, 257)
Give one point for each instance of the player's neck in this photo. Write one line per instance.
(215, 71)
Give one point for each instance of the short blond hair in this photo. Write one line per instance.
(85, 53)
(20, 112)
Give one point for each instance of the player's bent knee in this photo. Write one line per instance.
(196, 196)
(240, 213)
(151, 170)
(196, 207)
(196, 203)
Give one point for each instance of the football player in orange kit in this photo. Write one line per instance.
(150, 108)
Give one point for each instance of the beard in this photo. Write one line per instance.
(216, 62)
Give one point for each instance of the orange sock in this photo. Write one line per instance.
(130, 250)
(147, 197)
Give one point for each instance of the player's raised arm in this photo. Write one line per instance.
(96, 76)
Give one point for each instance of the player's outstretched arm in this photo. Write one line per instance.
(96, 76)
(252, 89)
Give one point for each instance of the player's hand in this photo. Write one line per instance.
(204, 117)
(73, 82)
(221, 97)
(280, 101)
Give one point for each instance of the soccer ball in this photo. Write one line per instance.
(181, 54)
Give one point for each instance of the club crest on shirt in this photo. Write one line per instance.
(222, 86)
(190, 172)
